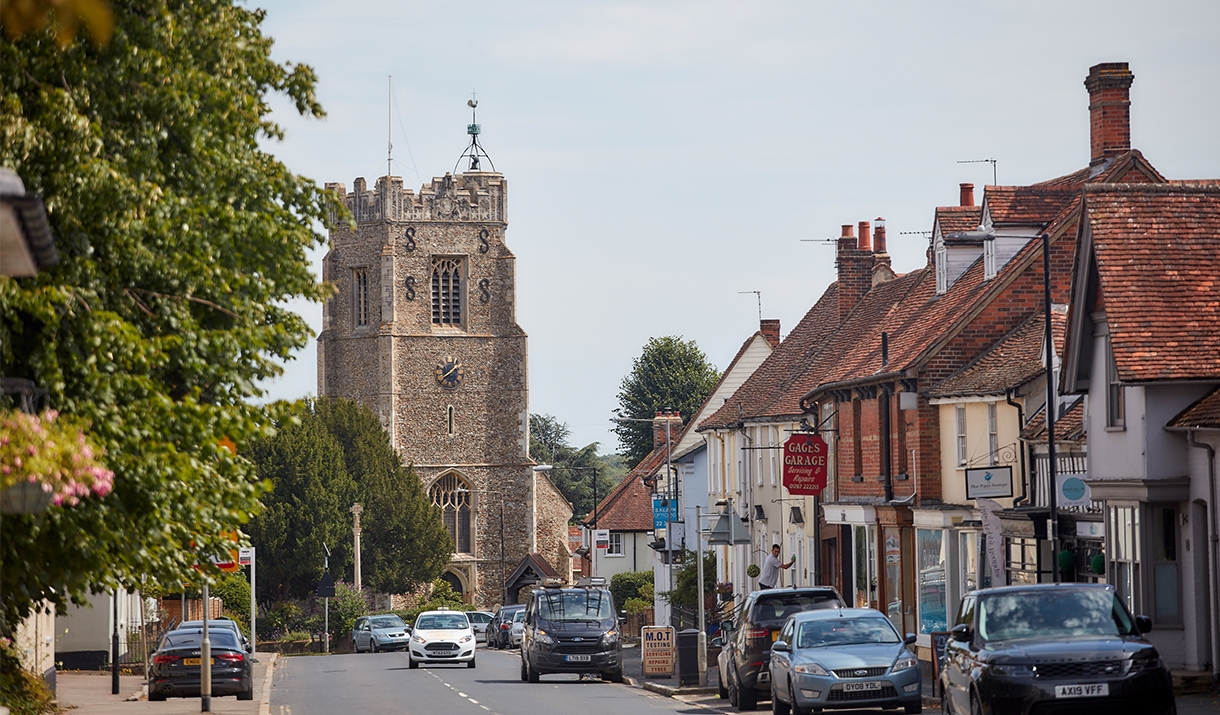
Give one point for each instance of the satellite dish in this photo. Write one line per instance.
(472, 103)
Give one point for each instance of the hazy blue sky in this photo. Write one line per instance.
(663, 157)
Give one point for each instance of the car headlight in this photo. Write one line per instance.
(1144, 661)
(1011, 670)
(610, 637)
(466, 638)
(906, 660)
(419, 639)
(543, 638)
(810, 669)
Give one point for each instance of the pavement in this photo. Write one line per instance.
(81, 693)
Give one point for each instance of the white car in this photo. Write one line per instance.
(479, 621)
(442, 636)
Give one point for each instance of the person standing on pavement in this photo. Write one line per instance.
(769, 576)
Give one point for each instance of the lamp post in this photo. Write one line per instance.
(356, 511)
(593, 551)
(503, 575)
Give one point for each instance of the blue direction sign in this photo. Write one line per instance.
(663, 511)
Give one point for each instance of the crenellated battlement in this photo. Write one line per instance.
(481, 196)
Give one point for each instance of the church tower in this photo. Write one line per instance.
(423, 330)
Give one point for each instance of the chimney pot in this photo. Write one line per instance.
(879, 235)
(864, 242)
(848, 231)
(967, 195)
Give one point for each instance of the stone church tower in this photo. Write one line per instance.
(423, 330)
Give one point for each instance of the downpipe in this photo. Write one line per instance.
(1214, 545)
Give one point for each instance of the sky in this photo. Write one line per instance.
(667, 159)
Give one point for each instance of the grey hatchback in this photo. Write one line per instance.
(1052, 648)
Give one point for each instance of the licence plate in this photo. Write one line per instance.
(196, 661)
(1096, 690)
(578, 658)
(859, 687)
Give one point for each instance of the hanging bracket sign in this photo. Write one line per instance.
(805, 464)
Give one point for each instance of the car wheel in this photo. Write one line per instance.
(533, 674)
(732, 688)
(614, 676)
(723, 691)
(913, 708)
(525, 671)
(470, 664)
(373, 647)
(747, 698)
(778, 707)
(976, 705)
(156, 697)
(247, 694)
(411, 662)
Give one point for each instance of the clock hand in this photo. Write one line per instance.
(450, 372)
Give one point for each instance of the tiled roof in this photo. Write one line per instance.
(628, 506)
(1157, 253)
(1069, 427)
(956, 219)
(1203, 414)
(768, 393)
(1012, 361)
(1116, 170)
(1026, 205)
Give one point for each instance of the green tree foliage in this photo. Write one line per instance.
(630, 584)
(671, 373)
(182, 242)
(234, 590)
(328, 456)
(574, 468)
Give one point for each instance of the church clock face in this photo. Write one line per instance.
(449, 373)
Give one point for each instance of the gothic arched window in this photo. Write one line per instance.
(452, 495)
(447, 291)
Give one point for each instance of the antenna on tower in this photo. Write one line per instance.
(757, 294)
(994, 180)
(474, 151)
(389, 128)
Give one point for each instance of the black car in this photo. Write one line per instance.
(499, 630)
(1052, 648)
(177, 665)
(571, 630)
(745, 645)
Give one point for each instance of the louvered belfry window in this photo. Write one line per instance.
(447, 291)
(452, 495)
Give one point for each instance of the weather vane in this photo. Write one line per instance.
(474, 151)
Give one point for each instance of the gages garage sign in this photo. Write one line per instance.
(805, 464)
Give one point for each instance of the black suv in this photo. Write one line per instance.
(1052, 648)
(745, 646)
(571, 630)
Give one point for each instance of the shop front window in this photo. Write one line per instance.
(968, 552)
(930, 547)
(865, 565)
(1022, 561)
(893, 576)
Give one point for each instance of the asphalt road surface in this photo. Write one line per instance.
(374, 683)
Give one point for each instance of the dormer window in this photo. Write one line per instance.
(989, 267)
(942, 266)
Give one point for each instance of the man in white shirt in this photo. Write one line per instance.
(769, 575)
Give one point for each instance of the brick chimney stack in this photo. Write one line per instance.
(674, 420)
(855, 267)
(770, 331)
(1109, 86)
(967, 195)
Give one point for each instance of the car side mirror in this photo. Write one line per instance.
(718, 642)
(910, 638)
(1143, 623)
(961, 632)
(780, 647)
(726, 626)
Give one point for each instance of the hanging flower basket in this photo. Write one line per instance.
(752, 570)
(26, 498)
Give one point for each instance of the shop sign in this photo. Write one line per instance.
(989, 482)
(657, 648)
(805, 464)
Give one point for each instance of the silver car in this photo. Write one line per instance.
(843, 658)
(479, 621)
(380, 633)
(518, 629)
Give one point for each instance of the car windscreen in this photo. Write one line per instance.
(575, 605)
(845, 631)
(777, 607)
(1052, 613)
(442, 622)
(518, 616)
(387, 622)
(479, 617)
(188, 639)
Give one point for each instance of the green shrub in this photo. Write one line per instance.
(234, 590)
(626, 586)
(23, 692)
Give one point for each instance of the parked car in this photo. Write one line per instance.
(843, 658)
(442, 636)
(516, 630)
(745, 645)
(571, 630)
(479, 620)
(1052, 648)
(499, 630)
(177, 664)
(380, 633)
(226, 623)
